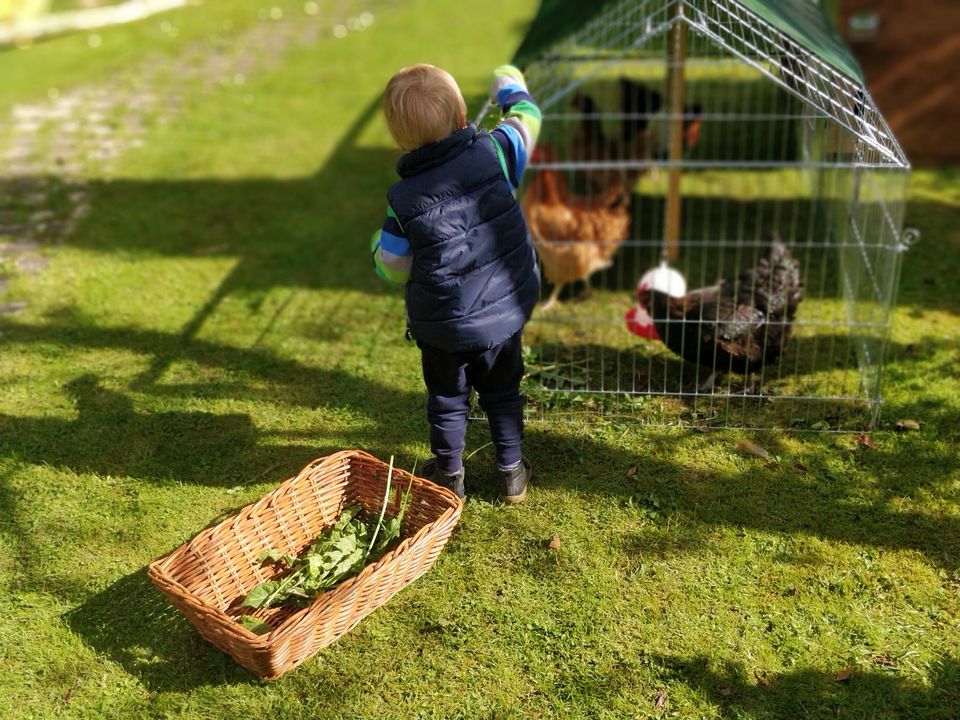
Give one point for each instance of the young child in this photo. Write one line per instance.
(455, 235)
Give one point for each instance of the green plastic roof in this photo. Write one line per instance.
(805, 22)
(554, 21)
(801, 20)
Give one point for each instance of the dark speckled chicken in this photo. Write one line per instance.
(736, 325)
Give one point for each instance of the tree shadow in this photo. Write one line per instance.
(301, 233)
(109, 437)
(257, 373)
(811, 693)
(135, 626)
(132, 624)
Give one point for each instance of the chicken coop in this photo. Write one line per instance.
(716, 204)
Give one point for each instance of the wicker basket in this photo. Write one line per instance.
(207, 578)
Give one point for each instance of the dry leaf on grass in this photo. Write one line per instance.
(554, 543)
(844, 675)
(905, 425)
(748, 447)
(661, 700)
(631, 471)
(884, 661)
(211, 250)
(864, 441)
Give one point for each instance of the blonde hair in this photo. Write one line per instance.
(423, 104)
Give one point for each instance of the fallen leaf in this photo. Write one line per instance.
(68, 695)
(661, 700)
(904, 425)
(631, 471)
(211, 249)
(844, 675)
(864, 440)
(885, 661)
(554, 543)
(748, 447)
(762, 680)
(800, 466)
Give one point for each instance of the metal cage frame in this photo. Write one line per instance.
(844, 224)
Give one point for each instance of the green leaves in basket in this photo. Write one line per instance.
(274, 556)
(340, 552)
(254, 625)
(262, 594)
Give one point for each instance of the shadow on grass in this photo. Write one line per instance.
(302, 233)
(813, 694)
(135, 626)
(820, 487)
(110, 437)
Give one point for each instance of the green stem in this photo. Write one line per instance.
(383, 511)
(478, 450)
(282, 586)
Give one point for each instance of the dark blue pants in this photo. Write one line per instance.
(495, 374)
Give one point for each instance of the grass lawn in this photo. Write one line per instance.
(212, 324)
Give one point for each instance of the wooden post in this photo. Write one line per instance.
(676, 54)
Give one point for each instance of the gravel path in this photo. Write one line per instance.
(49, 150)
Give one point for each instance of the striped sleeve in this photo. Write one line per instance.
(517, 132)
(392, 257)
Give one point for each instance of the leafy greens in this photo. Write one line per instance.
(340, 552)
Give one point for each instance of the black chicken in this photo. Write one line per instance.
(733, 326)
(642, 135)
(644, 115)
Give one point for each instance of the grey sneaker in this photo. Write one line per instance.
(513, 483)
(453, 482)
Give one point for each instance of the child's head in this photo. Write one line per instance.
(423, 104)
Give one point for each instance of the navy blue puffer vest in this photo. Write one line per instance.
(474, 279)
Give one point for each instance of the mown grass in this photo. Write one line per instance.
(214, 324)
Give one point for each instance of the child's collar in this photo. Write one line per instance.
(429, 156)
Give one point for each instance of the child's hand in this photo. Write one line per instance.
(506, 76)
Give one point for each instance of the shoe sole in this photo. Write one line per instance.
(514, 499)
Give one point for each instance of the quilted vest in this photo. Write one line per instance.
(474, 280)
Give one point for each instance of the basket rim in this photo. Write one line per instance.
(156, 570)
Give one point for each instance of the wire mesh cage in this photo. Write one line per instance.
(702, 137)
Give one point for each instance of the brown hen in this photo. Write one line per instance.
(575, 236)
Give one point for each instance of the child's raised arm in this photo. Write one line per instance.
(517, 132)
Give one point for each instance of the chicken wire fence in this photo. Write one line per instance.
(696, 133)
